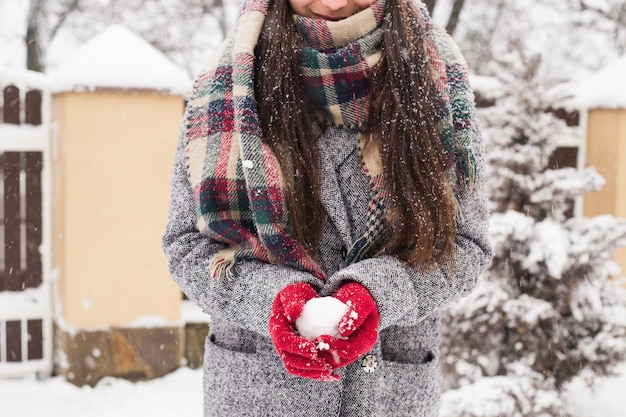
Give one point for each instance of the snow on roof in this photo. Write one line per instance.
(606, 88)
(118, 58)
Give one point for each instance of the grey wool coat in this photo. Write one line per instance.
(243, 375)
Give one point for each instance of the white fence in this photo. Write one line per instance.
(25, 230)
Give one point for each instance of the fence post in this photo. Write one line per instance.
(25, 309)
(11, 105)
(33, 108)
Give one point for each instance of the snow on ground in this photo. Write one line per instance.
(180, 393)
(176, 394)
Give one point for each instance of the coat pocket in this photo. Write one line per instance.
(256, 384)
(230, 382)
(411, 389)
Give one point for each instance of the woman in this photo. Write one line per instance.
(331, 151)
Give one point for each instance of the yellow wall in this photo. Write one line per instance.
(110, 197)
(606, 151)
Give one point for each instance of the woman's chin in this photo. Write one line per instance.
(331, 18)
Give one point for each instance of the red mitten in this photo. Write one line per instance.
(358, 327)
(361, 305)
(300, 356)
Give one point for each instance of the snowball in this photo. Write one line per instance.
(321, 316)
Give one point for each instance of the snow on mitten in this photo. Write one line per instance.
(360, 305)
(293, 298)
(300, 356)
(342, 352)
(358, 328)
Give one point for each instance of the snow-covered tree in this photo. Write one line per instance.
(186, 31)
(190, 31)
(574, 37)
(546, 309)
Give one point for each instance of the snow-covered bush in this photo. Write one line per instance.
(546, 309)
(520, 393)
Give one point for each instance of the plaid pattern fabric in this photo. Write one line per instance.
(372, 239)
(456, 111)
(337, 63)
(236, 179)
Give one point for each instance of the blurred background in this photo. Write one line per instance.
(93, 93)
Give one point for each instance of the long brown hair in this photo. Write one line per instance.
(402, 123)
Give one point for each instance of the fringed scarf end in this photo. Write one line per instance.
(222, 264)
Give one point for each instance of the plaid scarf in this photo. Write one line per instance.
(236, 179)
(337, 63)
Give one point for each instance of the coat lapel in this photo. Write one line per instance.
(331, 198)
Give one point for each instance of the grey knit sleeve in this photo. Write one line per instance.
(406, 295)
(244, 300)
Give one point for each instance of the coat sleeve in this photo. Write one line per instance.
(244, 300)
(406, 295)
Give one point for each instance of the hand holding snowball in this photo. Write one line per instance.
(357, 328)
(314, 335)
(300, 356)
